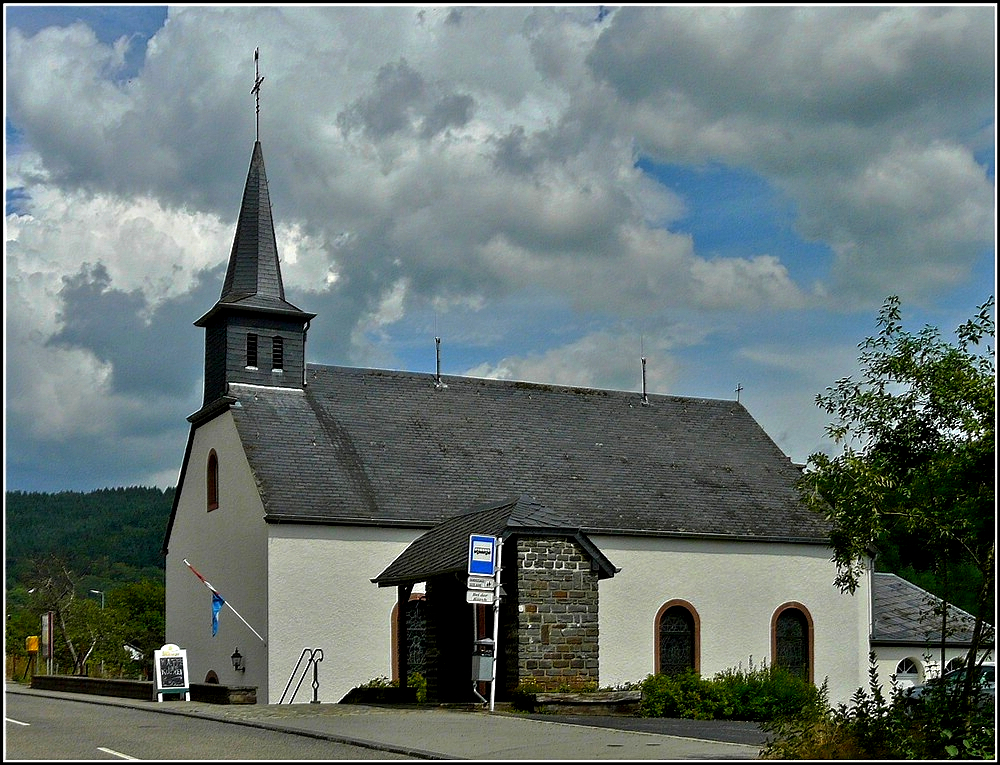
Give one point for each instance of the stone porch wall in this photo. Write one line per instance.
(557, 599)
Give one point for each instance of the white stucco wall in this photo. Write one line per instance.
(227, 546)
(927, 658)
(319, 578)
(736, 588)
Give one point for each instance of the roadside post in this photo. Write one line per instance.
(48, 640)
(484, 589)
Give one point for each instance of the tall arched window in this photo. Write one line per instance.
(791, 640)
(212, 481)
(677, 638)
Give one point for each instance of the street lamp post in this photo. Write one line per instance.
(101, 593)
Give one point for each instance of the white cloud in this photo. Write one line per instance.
(481, 164)
(599, 360)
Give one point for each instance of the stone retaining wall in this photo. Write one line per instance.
(211, 693)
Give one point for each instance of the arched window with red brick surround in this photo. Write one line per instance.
(678, 638)
(792, 640)
(212, 480)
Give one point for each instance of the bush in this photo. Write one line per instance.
(768, 693)
(734, 694)
(873, 727)
(682, 695)
(382, 690)
(524, 698)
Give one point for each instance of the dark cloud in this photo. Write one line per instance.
(401, 102)
(152, 352)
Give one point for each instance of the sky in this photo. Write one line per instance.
(554, 191)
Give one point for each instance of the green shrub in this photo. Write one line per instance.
(524, 698)
(418, 681)
(682, 695)
(873, 727)
(735, 694)
(767, 693)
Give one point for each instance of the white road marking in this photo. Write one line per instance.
(16, 722)
(116, 754)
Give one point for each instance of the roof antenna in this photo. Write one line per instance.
(739, 387)
(645, 398)
(256, 86)
(437, 376)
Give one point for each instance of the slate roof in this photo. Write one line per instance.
(388, 448)
(906, 614)
(253, 277)
(445, 548)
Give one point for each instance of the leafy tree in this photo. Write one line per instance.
(135, 618)
(917, 459)
(77, 622)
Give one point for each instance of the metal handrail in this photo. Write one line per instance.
(314, 663)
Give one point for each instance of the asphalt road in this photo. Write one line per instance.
(44, 725)
(729, 731)
(40, 728)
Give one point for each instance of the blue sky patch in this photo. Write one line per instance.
(735, 213)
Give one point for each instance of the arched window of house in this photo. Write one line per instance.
(792, 640)
(677, 638)
(955, 663)
(908, 673)
(212, 482)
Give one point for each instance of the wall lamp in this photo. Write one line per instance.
(238, 664)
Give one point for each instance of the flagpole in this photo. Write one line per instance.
(244, 621)
(225, 602)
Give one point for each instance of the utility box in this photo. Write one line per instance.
(482, 660)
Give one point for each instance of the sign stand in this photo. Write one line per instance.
(171, 672)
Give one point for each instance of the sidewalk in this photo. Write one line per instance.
(434, 733)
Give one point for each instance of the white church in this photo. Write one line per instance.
(332, 508)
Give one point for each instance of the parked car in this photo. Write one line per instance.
(984, 683)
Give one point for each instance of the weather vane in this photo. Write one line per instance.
(256, 85)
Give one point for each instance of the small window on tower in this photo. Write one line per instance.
(278, 353)
(252, 351)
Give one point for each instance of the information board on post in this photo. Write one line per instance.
(171, 672)
(482, 555)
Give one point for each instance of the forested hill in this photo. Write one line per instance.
(112, 535)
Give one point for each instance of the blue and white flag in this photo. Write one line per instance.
(217, 603)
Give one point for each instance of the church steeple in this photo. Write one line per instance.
(252, 334)
(254, 274)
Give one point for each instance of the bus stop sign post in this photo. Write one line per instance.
(484, 561)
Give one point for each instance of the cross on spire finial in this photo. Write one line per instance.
(256, 86)
(739, 387)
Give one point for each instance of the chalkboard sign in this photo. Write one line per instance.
(170, 670)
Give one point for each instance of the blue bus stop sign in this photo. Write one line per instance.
(482, 555)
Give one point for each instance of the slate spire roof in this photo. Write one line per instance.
(253, 278)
